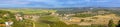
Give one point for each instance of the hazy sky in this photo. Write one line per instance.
(59, 3)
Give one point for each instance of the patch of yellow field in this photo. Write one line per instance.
(106, 16)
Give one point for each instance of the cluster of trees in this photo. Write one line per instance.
(5, 16)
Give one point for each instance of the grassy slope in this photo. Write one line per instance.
(46, 18)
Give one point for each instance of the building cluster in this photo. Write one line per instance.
(19, 17)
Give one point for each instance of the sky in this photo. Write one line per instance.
(59, 3)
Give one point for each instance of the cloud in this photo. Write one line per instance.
(57, 3)
(13, 2)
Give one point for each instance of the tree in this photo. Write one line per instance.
(111, 24)
(118, 24)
